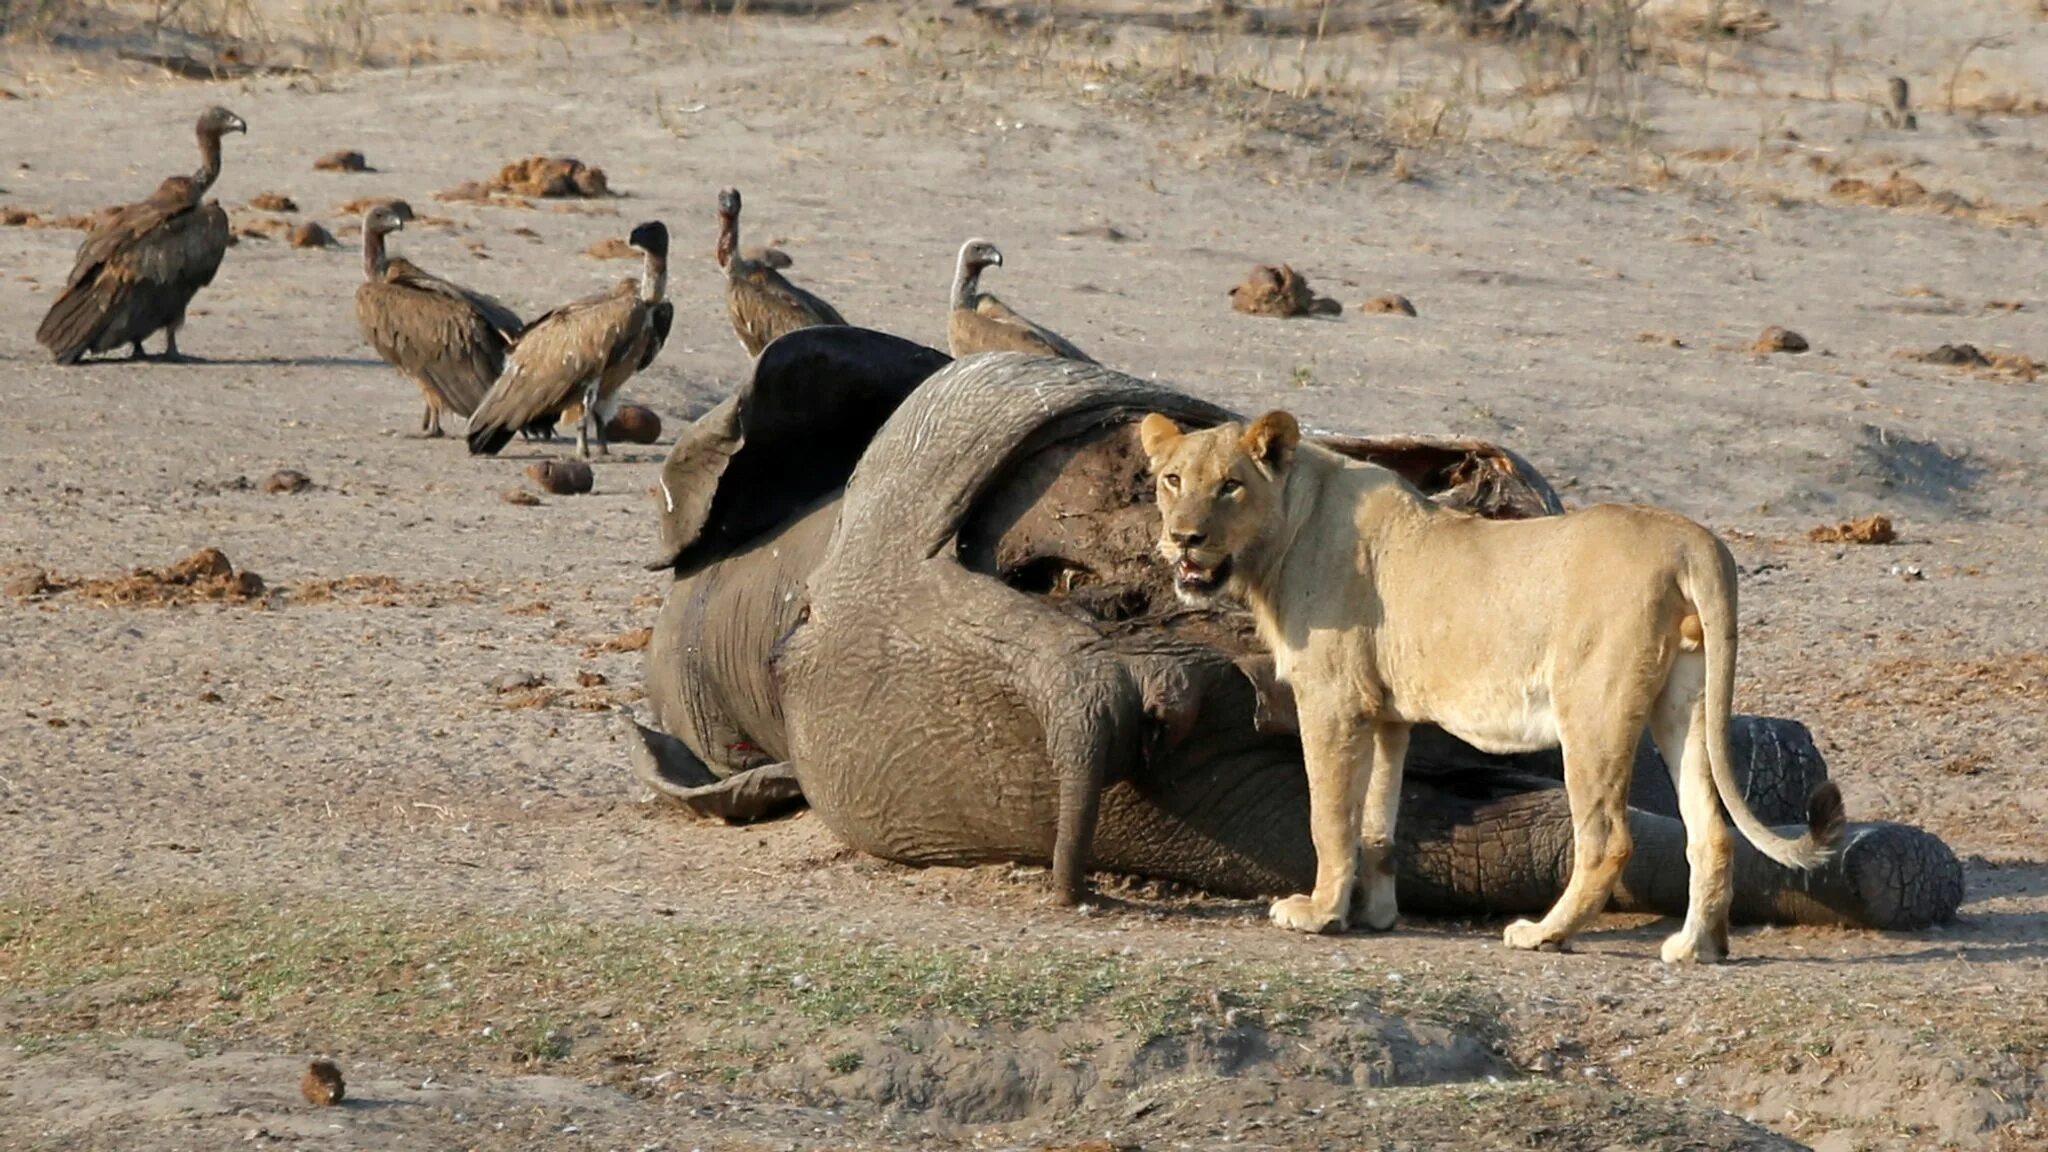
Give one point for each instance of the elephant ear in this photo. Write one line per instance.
(1476, 475)
(788, 438)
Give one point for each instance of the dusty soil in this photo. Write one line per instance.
(379, 809)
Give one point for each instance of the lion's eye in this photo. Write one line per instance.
(1229, 488)
(1171, 480)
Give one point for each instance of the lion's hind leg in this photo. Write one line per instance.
(1599, 748)
(1678, 723)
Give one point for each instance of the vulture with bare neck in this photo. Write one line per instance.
(579, 356)
(445, 338)
(137, 272)
(981, 323)
(763, 303)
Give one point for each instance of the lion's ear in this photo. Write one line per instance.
(1157, 435)
(1271, 439)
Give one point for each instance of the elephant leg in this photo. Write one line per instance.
(1599, 746)
(1333, 746)
(1678, 723)
(1373, 898)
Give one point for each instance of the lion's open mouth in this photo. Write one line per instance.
(1191, 575)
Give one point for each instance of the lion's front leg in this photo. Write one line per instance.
(1334, 747)
(1374, 900)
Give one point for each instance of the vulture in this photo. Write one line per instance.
(981, 323)
(764, 305)
(575, 358)
(137, 271)
(445, 338)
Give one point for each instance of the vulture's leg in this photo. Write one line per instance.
(589, 416)
(430, 424)
(135, 351)
(171, 345)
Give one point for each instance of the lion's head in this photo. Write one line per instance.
(1220, 496)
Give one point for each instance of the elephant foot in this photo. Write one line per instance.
(1529, 936)
(1373, 906)
(1299, 914)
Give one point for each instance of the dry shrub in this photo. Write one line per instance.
(1868, 530)
(1278, 290)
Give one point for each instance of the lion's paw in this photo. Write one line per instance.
(1685, 948)
(1528, 936)
(1299, 914)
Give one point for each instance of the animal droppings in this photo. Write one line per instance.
(550, 178)
(1278, 290)
(312, 234)
(634, 424)
(286, 481)
(562, 477)
(346, 160)
(205, 575)
(1868, 530)
(273, 202)
(520, 497)
(612, 248)
(1391, 304)
(1776, 339)
(322, 1084)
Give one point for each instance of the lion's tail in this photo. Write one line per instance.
(1708, 582)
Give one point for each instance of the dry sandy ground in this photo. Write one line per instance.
(238, 835)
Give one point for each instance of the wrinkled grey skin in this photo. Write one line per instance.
(843, 641)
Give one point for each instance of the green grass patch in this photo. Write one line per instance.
(214, 966)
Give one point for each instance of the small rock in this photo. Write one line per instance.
(312, 234)
(286, 481)
(1776, 339)
(1390, 303)
(322, 1084)
(518, 682)
(346, 160)
(273, 202)
(562, 477)
(634, 424)
(520, 497)
(1908, 572)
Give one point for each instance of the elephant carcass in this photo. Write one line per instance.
(924, 645)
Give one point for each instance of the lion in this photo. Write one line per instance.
(1384, 610)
